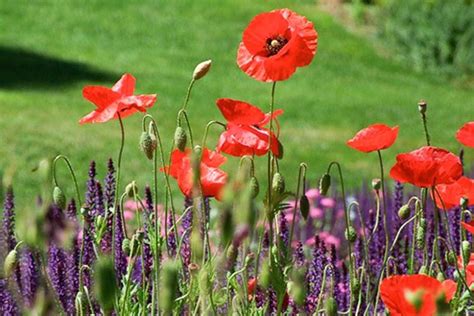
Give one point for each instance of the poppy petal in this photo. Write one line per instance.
(240, 112)
(465, 135)
(100, 96)
(261, 28)
(126, 85)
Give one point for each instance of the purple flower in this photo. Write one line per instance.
(57, 273)
(299, 255)
(29, 276)
(8, 232)
(315, 274)
(187, 223)
(109, 185)
(284, 234)
(7, 303)
(120, 258)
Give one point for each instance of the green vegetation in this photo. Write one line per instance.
(50, 50)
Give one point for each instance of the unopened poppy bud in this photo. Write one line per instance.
(464, 202)
(169, 286)
(104, 289)
(180, 138)
(324, 184)
(126, 246)
(451, 257)
(249, 259)
(351, 234)
(423, 270)
(147, 145)
(422, 106)
(254, 187)
(376, 184)
(331, 307)
(466, 251)
(440, 277)
(415, 298)
(202, 69)
(404, 212)
(420, 237)
(58, 197)
(131, 189)
(204, 282)
(10, 263)
(278, 183)
(304, 206)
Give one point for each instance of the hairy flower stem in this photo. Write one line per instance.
(384, 219)
(348, 226)
(117, 182)
(270, 169)
(301, 179)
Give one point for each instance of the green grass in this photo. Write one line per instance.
(348, 85)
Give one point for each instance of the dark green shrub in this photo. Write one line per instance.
(431, 34)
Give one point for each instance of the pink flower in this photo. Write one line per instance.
(327, 202)
(312, 194)
(315, 212)
(330, 239)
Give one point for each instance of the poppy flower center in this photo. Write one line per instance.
(274, 45)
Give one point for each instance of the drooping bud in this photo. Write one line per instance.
(466, 251)
(376, 184)
(202, 69)
(324, 184)
(254, 187)
(351, 234)
(304, 206)
(451, 257)
(180, 138)
(10, 263)
(404, 212)
(147, 145)
(105, 290)
(126, 246)
(59, 198)
(331, 307)
(278, 183)
(422, 106)
(169, 286)
(131, 189)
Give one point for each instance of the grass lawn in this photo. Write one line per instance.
(49, 50)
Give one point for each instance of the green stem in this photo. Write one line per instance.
(301, 178)
(269, 169)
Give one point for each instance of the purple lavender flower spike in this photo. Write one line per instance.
(71, 210)
(91, 186)
(314, 274)
(187, 223)
(284, 233)
(88, 256)
(299, 254)
(57, 273)
(29, 276)
(109, 185)
(172, 244)
(8, 232)
(120, 258)
(8, 306)
(272, 302)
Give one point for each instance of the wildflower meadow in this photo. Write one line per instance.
(200, 239)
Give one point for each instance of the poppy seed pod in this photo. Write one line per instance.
(105, 290)
(422, 106)
(466, 251)
(376, 184)
(180, 138)
(131, 189)
(58, 197)
(202, 69)
(304, 206)
(351, 234)
(324, 184)
(147, 145)
(278, 183)
(331, 306)
(404, 212)
(254, 187)
(10, 263)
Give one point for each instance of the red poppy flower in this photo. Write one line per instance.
(213, 179)
(465, 134)
(427, 166)
(398, 291)
(374, 137)
(469, 269)
(252, 287)
(451, 194)
(118, 100)
(245, 133)
(275, 43)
